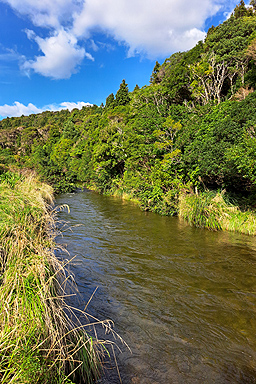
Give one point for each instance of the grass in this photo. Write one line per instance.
(41, 338)
(210, 210)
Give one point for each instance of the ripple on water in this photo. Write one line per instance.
(182, 298)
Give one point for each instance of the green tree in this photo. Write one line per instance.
(165, 141)
(253, 4)
(240, 10)
(70, 130)
(110, 101)
(122, 95)
(154, 79)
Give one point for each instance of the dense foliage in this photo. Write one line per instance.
(192, 129)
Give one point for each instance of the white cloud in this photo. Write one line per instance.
(61, 53)
(10, 61)
(46, 13)
(148, 27)
(18, 109)
(94, 46)
(71, 106)
(155, 28)
(9, 55)
(61, 56)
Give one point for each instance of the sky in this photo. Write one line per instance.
(63, 54)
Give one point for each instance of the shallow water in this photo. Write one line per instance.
(182, 298)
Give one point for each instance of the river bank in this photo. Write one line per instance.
(212, 210)
(39, 341)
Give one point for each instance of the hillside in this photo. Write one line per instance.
(191, 130)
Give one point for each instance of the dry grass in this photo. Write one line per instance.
(41, 338)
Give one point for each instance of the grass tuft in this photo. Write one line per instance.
(210, 210)
(41, 339)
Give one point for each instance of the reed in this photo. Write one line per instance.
(41, 338)
(210, 210)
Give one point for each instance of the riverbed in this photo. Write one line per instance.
(182, 298)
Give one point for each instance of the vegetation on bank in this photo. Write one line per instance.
(210, 210)
(41, 339)
(191, 131)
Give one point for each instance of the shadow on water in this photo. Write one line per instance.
(182, 298)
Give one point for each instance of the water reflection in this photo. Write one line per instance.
(182, 298)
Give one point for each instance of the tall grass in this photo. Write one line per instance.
(41, 339)
(210, 210)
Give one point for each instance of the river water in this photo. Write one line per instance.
(182, 298)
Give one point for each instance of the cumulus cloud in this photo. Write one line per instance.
(46, 13)
(152, 28)
(69, 105)
(61, 56)
(18, 109)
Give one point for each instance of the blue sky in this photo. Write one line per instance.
(57, 54)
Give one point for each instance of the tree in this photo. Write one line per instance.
(165, 141)
(110, 100)
(152, 99)
(175, 75)
(240, 10)
(210, 30)
(154, 76)
(122, 95)
(208, 79)
(70, 131)
(251, 50)
(253, 4)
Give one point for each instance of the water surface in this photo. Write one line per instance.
(182, 298)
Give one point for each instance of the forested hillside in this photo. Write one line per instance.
(192, 130)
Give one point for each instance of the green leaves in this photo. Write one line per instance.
(122, 95)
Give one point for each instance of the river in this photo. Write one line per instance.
(182, 298)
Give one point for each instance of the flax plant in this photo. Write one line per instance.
(41, 339)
